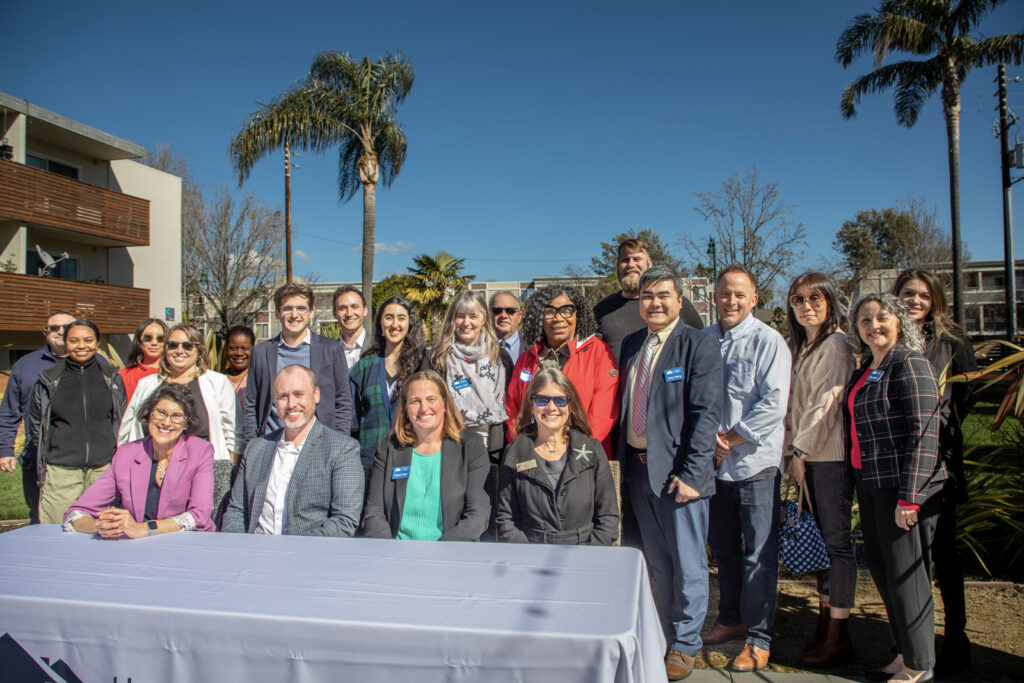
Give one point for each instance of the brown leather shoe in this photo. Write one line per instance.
(678, 666)
(752, 658)
(834, 647)
(721, 634)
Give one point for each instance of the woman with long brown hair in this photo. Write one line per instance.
(949, 351)
(145, 354)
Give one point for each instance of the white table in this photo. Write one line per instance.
(226, 607)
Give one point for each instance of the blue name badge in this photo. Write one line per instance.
(400, 472)
(460, 384)
(525, 375)
(674, 375)
(875, 375)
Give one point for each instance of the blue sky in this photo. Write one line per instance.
(536, 130)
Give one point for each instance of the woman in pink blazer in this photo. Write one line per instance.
(156, 485)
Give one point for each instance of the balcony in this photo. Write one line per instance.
(36, 196)
(28, 300)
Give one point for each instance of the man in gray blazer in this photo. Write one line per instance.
(304, 479)
(670, 384)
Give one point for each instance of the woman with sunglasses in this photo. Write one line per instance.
(815, 451)
(160, 484)
(218, 417)
(145, 354)
(555, 485)
(560, 328)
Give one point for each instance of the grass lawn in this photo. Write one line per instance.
(12, 500)
(978, 427)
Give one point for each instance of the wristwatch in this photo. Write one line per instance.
(798, 454)
(151, 525)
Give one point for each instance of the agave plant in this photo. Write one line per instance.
(112, 356)
(991, 521)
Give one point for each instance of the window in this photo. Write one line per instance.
(971, 319)
(53, 166)
(994, 318)
(262, 331)
(992, 280)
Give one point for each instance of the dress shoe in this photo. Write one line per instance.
(835, 646)
(752, 658)
(721, 634)
(678, 666)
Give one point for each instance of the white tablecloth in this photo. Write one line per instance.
(226, 607)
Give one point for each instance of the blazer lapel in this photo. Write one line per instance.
(451, 459)
(264, 453)
(665, 358)
(386, 402)
(310, 447)
(139, 477)
(403, 458)
(522, 457)
(175, 466)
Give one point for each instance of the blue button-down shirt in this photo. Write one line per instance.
(758, 368)
(514, 345)
(287, 355)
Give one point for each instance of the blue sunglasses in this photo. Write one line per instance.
(540, 400)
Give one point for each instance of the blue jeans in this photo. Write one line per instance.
(744, 538)
(674, 535)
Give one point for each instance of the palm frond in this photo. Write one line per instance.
(998, 50)
(856, 38)
(879, 80)
(918, 82)
(966, 15)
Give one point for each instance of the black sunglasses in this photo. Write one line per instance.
(541, 400)
(498, 310)
(188, 346)
(158, 337)
(56, 328)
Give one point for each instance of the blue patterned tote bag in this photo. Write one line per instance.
(801, 546)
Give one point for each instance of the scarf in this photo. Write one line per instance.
(477, 384)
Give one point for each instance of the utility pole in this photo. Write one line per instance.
(288, 210)
(713, 252)
(1004, 152)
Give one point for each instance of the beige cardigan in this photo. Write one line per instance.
(814, 421)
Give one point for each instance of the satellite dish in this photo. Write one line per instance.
(49, 263)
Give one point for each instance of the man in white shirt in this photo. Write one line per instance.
(350, 312)
(304, 479)
(507, 314)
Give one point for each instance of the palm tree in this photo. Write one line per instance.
(346, 102)
(939, 31)
(432, 283)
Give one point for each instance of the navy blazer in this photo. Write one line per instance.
(325, 493)
(326, 360)
(682, 416)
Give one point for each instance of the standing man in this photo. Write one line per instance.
(748, 462)
(617, 314)
(671, 390)
(16, 403)
(297, 345)
(506, 314)
(304, 479)
(350, 311)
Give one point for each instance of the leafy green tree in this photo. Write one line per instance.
(940, 32)
(607, 263)
(346, 102)
(393, 285)
(433, 282)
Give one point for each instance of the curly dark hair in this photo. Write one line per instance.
(413, 346)
(533, 317)
(180, 394)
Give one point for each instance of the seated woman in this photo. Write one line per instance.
(555, 485)
(172, 469)
(428, 475)
(145, 354)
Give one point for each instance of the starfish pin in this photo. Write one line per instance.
(582, 452)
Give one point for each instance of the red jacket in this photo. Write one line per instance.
(591, 369)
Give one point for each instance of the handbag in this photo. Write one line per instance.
(801, 546)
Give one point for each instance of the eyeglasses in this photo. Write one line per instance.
(188, 346)
(540, 400)
(175, 418)
(56, 328)
(287, 310)
(159, 338)
(815, 300)
(566, 311)
(498, 310)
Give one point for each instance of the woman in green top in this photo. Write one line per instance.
(428, 475)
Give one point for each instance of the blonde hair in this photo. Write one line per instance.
(464, 301)
(192, 335)
(402, 431)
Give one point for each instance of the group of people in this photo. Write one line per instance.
(558, 424)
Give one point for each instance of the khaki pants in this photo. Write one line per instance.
(62, 488)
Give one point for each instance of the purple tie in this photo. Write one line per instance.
(643, 381)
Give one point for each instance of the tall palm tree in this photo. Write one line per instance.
(432, 282)
(346, 102)
(939, 32)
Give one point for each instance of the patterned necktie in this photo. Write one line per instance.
(643, 381)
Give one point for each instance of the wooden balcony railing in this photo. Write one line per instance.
(28, 300)
(33, 195)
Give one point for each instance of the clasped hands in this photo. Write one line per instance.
(117, 522)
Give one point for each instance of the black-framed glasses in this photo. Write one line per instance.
(175, 418)
(56, 328)
(541, 400)
(188, 346)
(798, 300)
(566, 311)
(158, 338)
(507, 310)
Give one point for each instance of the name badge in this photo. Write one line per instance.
(525, 375)
(400, 472)
(674, 375)
(523, 466)
(875, 375)
(460, 384)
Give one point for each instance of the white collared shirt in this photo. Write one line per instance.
(353, 352)
(272, 517)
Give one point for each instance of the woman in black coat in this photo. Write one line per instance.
(428, 474)
(555, 485)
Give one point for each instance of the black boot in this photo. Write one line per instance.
(834, 647)
(954, 654)
(819, 629)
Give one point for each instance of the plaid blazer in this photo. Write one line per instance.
(375, 413)
(897, 423)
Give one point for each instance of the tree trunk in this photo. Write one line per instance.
(369, 242)
(951, 102)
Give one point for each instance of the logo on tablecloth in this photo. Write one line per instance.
(19, 665)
